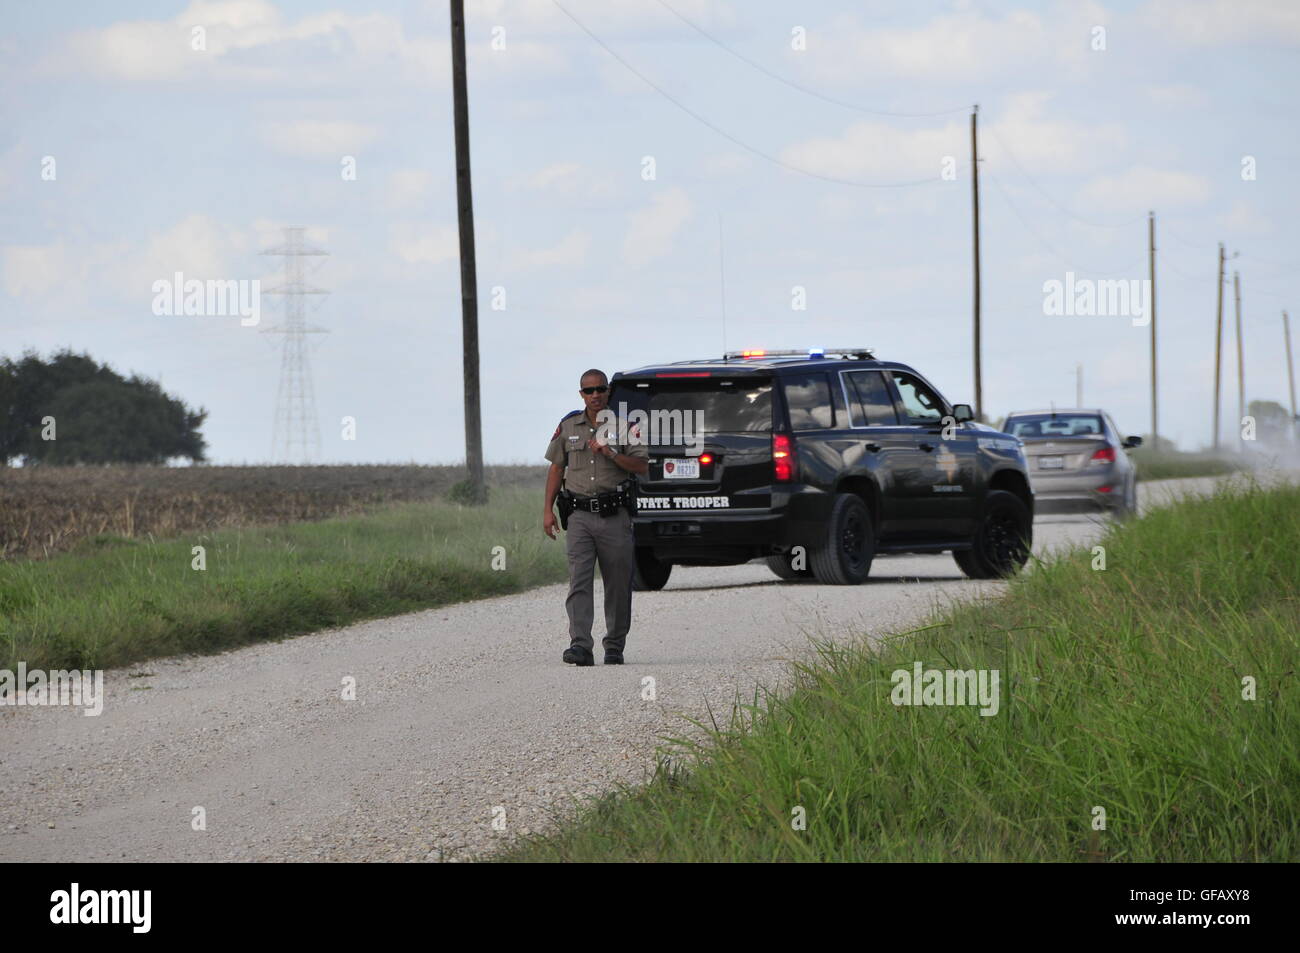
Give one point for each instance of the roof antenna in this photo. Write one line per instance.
(722, 285)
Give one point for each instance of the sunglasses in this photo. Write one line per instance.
(595, 390)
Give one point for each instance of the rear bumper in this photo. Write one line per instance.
(1078, 504)
(720, 536)
(1077, 498)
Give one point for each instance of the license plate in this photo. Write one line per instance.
(1051, 463)
(681, 469)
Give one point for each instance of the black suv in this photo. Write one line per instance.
(817, 460)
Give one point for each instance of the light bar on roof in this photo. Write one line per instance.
(849, 353)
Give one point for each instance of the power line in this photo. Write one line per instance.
(1167, 262)
(1187, 241)
(1043, 192)
(1052, 248)
(728, 136)
(795, 86)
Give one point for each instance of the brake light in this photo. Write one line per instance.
(1104, 455)
(1104, 489)
(706, 459)
(783, 457)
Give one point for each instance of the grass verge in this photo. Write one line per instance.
(1170, 465)
(1121, 690)
(113, 601)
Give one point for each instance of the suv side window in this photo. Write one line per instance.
(869, 400)
(809, 398)
(920, 404)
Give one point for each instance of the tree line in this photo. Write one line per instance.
(71, 409)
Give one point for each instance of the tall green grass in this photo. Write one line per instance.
(1172, 465)
(113, 601)
(1122, 689)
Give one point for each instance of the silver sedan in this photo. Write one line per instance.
(1077, 460)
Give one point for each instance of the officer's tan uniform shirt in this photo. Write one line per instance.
(588, 472)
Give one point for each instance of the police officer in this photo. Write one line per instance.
(592, 453)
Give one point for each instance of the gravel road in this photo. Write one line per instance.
(461, 714)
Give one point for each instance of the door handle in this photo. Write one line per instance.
(927, 447)
(873, 447)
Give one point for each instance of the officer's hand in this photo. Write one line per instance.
(548, 524)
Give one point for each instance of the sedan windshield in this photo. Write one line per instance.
(1054, 425)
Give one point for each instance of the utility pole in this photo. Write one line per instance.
(1241, 362)
(1290, 369)
(975, 223)
(1151, 265)
(468, 270)
(1218, 350)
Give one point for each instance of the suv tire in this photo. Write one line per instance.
(648, 572)
(1001, 544)
(780, 564)
(844, 557)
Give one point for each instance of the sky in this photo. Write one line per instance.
(654, 180)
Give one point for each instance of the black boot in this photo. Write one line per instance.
(576, 655)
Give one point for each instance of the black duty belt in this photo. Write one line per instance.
(622, 497)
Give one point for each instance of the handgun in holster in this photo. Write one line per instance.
(564, 502)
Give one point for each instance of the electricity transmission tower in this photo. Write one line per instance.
(296, 430)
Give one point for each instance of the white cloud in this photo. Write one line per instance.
(607, 18)
(567, 179)
(1043, 143)
(317, 138)
(878, 151)
(64, 273)
(407, 187)
(1224, 22)
(197, 245)
(250, 40)
(571, 250)
(964, 44)
(1244, 217)
(33, 270)
(1177, 96)
(1143, 187)
(651, 230)
(425, 244)
(559, 175)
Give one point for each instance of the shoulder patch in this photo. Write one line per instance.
(562, 420)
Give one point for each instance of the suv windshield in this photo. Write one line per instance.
(718, 405)
(1054, 425)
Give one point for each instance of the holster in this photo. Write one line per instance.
(564, 503)
(629, 488)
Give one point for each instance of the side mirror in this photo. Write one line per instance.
(962, 413)
(1131, 442)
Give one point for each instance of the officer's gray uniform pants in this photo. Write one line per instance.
(593, 538)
